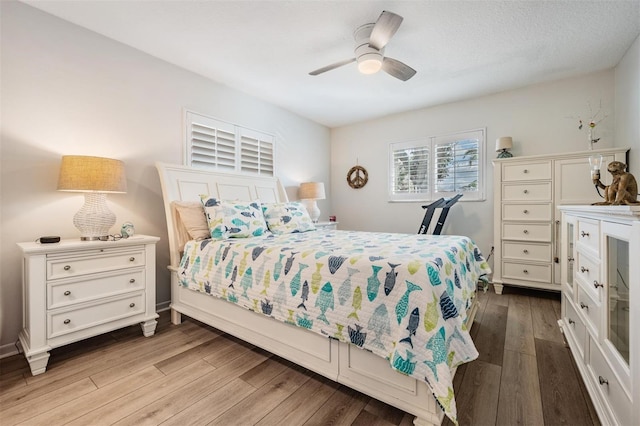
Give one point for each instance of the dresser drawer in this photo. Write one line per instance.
(527, 192)
(588, 274)
(589, 235)
(70, 292)
(527, 272)
(107, 260)
(530, 171)
(591, 310)
(526, 231)
(64, 321)
(524, 212)
(575, 326)
(609, 387)
(526, 251)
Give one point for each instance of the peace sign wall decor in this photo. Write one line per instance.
(357, 177)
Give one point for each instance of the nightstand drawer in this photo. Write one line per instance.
(527, 192)
(526, 251)
(108, 260)
(527, 231)
(72, 292)
(527, 272)
(529, 171)
(62, 322)
(523, 212)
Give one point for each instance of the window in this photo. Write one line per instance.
(215, 144)
(438, 167)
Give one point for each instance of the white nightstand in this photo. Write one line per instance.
(76, 289)
(327, 225)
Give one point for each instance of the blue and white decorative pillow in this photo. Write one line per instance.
(287, 218)
(233, 219)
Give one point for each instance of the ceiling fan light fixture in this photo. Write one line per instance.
(370, 63)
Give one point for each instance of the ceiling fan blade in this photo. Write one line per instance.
(385, 27)
(332, 66)
(398, 69)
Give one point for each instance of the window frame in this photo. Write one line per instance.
(253, 152)
(430, 143)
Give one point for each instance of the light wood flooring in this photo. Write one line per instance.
(524, 375)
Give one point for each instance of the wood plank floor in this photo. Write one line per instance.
(525, 375)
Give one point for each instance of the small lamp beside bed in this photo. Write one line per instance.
(310, 192)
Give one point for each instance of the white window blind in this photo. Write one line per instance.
(456, 165)
(215, 144)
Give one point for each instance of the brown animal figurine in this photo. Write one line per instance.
(623, 188)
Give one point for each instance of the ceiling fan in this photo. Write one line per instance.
(369, 52)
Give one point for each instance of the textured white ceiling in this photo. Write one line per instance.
(460, 49)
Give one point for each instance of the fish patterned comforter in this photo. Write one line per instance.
(402, 297)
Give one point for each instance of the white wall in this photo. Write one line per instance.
(537, 117)
(627, 124)
(66, 90)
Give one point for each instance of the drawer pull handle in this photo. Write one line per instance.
(131, 305)
(584, 234)
(131, 259)
(67, 321)
(583, 269)
(67, 293)
(526, 191)
(525, 271)
(525, 251)
(570, 259)
(583, 306)
(67, 267)
(132, 280)
(525, 211)
(596, 284)
(603, 381)
(572, 322)
(525, 171)
(526, 231)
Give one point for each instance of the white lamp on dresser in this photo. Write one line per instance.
(95, 177)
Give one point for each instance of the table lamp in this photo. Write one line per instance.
(503, 145)
(95, 177)
(312, 191)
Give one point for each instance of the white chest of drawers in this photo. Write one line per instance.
(527, 194)
(601, 305)
(76, 289)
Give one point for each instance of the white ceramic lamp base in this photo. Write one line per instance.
(314, 211)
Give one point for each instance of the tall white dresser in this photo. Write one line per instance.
(600, 277)
(527, 193)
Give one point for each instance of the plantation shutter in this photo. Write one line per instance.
(457, 164)
(409, 170)
(215, 144)
(256, 153)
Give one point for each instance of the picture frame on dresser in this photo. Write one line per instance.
(528, 192)
(74, 289)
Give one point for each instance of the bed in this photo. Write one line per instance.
(385, 314)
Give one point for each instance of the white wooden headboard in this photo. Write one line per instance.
(183, 183)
